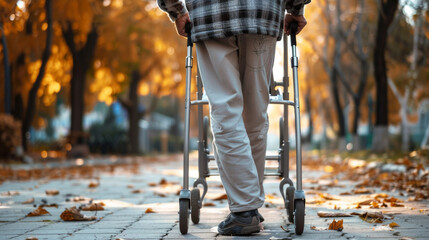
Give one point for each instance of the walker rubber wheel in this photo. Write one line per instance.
(299, 216)
(195, 206)
(290, 196)
(184, 215)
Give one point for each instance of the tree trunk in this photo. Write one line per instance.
(32, 96)
(82, 60)
(7, 80)
(133, 113)
(386, 14)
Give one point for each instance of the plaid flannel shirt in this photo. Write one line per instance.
(223, 18)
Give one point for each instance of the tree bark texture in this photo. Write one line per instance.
(386, 13)
(7, 79)
(32, 96)
(133, 112)
(82, 60)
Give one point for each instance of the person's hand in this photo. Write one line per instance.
(180, 24)
(300, 19)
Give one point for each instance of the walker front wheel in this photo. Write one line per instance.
(299, 216)
(184, 215)
(195, 206)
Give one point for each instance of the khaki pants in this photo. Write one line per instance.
(236, 73)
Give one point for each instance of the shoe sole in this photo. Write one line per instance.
(244, 231)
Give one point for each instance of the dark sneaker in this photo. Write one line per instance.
(242, 223)
(261, 219)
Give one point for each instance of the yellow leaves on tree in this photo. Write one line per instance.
(38, 212)
(73, 214)
(338, 226)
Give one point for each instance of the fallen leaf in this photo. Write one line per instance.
(163, 182)
(73, 214)
(81, 199)
(136, 191)
(92, 207)
(366, 202)
(380, 195)
(152, 184)
(374, 204)
(31, 238)
(38, 212)
(50, 205)
(371, 217)
(209, 204)
(316, 201)
(369, 214)
(130, 186)
(362, 190)
(333, 214)
(393, 224)
(336, 225)
(28, 201)
(269, 196)
(327, 196)
(150, 210)
(93, 184)
(221, 197)
(10, 193)
(345, 193)
(317, 228)
(52, 192)
(285, 229)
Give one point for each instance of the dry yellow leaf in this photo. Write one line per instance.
(28, 201)
(333, 214)
(327, 196)
(52, 192)
(38, 212)
(221, 197)
(137, 191)
(209, 204)
(336, 225)
(393, 224)
(93, 207)
(93, 184)
(374, 204)
(150, 210)
(163, 182)
(73, 214)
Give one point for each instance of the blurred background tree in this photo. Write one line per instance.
(81, 72)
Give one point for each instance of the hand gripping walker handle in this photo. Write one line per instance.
(293, 29)
(188, 28)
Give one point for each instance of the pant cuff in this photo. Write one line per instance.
(247, 207)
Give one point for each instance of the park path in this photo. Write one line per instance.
(141, 202)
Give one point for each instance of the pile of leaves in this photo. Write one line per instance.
(407, 175)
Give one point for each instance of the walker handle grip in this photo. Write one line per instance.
(293, 29)
(188, 28)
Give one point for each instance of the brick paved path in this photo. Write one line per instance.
(125, 214)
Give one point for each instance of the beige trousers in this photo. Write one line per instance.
(236, 73)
